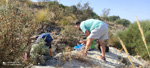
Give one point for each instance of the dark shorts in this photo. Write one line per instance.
(49, 45)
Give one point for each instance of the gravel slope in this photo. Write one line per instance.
(114, 59)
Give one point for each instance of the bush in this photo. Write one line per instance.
(64, 22)
(123, 22)
(42, 15)
(113, 18)
(17, 25)
(113, 41)
(70, 35)
(2, 2)
(133, 40)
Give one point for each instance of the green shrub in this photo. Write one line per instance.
(133, 40)
(123, 22)
(113, 18)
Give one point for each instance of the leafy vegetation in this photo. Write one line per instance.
(113, 18)
(133, 40)
(70, 35)
(17, 25)
(20, 19)
(123, 22)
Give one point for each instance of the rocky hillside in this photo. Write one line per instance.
(29, 18)
(114, 59)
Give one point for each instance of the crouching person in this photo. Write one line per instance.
(41, 50)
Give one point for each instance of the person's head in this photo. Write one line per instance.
(78, 25)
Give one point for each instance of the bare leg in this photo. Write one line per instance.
(28, 53)
(51, 53)
(102, 47)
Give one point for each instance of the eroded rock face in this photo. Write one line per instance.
(114, 59)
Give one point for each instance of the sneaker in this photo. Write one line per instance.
(102, 58)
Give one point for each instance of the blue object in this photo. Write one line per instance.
(47, 38)
(78, 47)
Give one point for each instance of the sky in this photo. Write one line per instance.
(125, 9)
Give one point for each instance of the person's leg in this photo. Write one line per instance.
(51, 53)
(102, 47)
(102, 38)
(28, 53)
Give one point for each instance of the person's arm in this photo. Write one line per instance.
(87, 33)
(82, 42)
(27, 54)
(30, 39)
(29, 43)
(84, 29)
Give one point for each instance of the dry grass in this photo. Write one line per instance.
(126, 51)
(142, 36)
(68, 56)
(79, 58)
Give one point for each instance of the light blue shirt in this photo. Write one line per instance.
(90, 24)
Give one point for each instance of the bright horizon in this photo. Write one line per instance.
(126, 9)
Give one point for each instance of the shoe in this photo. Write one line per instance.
(101, 57)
